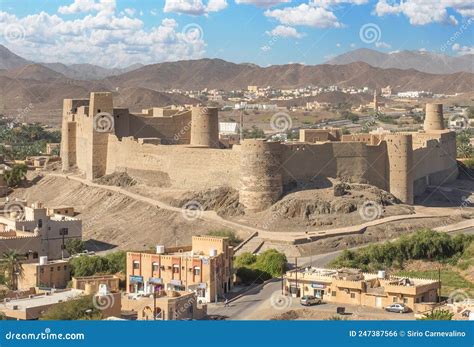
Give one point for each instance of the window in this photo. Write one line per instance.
(333, 293)
(353, 295)
(52, 269)
(59, 268)
(395, 299)
(136, 265)
(197, 271)
(63, 231)
(42, 270)
(176, 269)
(405, 300)
(155, 267)
(40, 223)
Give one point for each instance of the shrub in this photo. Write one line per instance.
(76, 309)
(438, 315)
(422, 245)
(257, 268)
(92, 265)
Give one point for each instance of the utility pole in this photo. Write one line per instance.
(241, 126)
(439, 279)
(154, 301)
(296, 275)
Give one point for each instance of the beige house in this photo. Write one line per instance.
(169, 305)
(204, 268)
(37, 231)
(44, 274)
(91, 284)
(349, 286)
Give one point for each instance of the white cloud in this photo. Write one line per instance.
(82, 6)
(285, 31)
(421, 12)
(381, 44)
(102, 38)
(328, 3)
(194, 7)
(129, 12)
(262, 3)
(462, 50)
(305, 14)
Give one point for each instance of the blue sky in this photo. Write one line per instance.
(122, 32)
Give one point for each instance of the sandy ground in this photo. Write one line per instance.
(112, 219)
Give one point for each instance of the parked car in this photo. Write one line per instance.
(397, 308)
(309, 300)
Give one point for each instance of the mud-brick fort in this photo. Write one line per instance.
(180, 148)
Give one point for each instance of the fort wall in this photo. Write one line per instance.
(179, 166)
(180, 149)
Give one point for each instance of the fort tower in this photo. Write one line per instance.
(434, 117)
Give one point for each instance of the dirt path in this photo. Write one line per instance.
(290, 237)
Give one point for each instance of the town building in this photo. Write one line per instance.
(45, 274)
(93, 283)
(204, 268)
(350, 286)
(35, 232)
(164, 305)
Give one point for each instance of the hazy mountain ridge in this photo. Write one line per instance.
(423, 61)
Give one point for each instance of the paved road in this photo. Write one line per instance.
(249, 303)
(259, 298)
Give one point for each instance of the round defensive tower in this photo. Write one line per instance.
(400, 161)
(205, 127)
(260, 171)
(434, 117)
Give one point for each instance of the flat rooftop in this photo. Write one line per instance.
(41, 300)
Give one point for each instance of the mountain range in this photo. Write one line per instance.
(44, 86)
(423, 61)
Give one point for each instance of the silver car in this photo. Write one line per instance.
(397, 308)
(309, 300)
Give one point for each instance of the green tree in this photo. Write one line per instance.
(272, 262)
(11, 266)
(254, 133)
(257, 268)
(75, 309)
(16, 175)
(74, 246)
(438, 315)
(95, 265)
(463, 144)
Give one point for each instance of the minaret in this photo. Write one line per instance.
(376, 101)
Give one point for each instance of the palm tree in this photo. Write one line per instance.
(11, 264)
